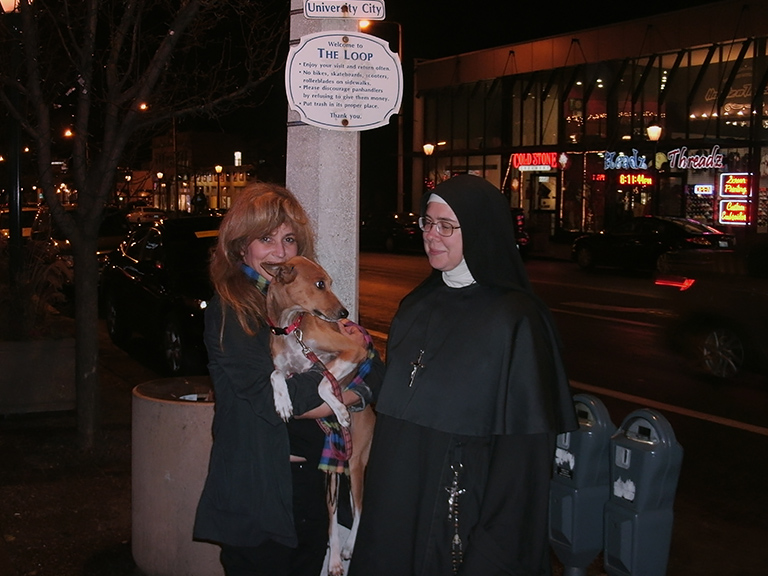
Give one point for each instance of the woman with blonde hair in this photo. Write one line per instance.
(264, 497)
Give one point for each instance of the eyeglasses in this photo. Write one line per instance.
(443, 228)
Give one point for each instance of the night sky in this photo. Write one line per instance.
(434, 29)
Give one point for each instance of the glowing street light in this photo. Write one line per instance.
(218, 169)
(653, 131)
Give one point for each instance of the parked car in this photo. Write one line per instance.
(639, 242)
(391, 232)
(27, 217)
(113, 229)
(144, 214)
(720, 322)
(156, 283)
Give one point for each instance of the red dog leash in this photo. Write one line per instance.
(342, 454)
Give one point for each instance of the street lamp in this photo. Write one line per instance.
(653, 131)
(218, 169)
(161, 192)
(428, 150)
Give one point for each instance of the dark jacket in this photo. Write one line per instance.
(248, 492)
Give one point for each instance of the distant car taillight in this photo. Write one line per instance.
(700, 241)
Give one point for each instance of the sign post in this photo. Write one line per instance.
(323, 141)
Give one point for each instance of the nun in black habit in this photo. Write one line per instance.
(474, 395)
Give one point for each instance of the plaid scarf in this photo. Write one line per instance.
(335, 456)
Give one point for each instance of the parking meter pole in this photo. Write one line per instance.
(580, 487)
(645, 465)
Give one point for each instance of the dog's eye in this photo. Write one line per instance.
(320, 284)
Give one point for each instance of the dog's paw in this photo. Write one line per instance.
(284, 409)
(335, 567)
(283, 403)
(346, 551)
(342, 415)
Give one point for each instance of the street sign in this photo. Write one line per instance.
(342, 80)
(354, 9)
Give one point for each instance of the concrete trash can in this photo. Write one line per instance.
(171, 436)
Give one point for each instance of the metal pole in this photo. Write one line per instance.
(400, 134)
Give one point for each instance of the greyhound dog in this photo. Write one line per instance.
(304, 315)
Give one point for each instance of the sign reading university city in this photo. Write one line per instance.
(354, 9)
(342, 80)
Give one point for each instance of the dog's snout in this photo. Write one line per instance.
(343, 313)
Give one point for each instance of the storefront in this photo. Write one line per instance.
(681, 130)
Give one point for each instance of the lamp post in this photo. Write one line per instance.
(428, 150)
(653, 131)
(160, 191)
(218, 169)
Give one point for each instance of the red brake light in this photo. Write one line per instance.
(699, 241)
(680, 282)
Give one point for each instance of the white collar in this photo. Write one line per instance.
(459, 277)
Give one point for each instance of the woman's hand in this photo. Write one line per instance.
(352, 331)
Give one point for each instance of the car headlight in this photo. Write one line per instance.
(195, 304)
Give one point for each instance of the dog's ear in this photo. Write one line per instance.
(281, 272)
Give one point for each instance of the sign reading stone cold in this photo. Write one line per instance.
(354, 9)
(342, 80)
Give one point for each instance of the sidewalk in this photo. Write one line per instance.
(64, 513)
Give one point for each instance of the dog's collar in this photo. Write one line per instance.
(277, 331)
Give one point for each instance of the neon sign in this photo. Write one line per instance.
(734, 212)
(735, 185)
(679, 158)
(534, 161)
(703, 189)
(635, 179)
(618, 161)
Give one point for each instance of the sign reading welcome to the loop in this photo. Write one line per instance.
(342, 80)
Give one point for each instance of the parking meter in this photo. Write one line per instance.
(645, 465)
(580, 486)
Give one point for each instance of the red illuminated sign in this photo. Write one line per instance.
(545, 160)
(735, 185)
(734, 212)
(635, 179)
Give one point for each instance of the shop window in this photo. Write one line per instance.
(574, 113)
(443, 121)
(736, 116)
(459, 118)
(550, 117)
(493, 115)
(574, 197)
(530, 106)
(516, 104)
(477, 107)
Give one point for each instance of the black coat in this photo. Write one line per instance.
(248, 495)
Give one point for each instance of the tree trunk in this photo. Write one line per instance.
(87, 382)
